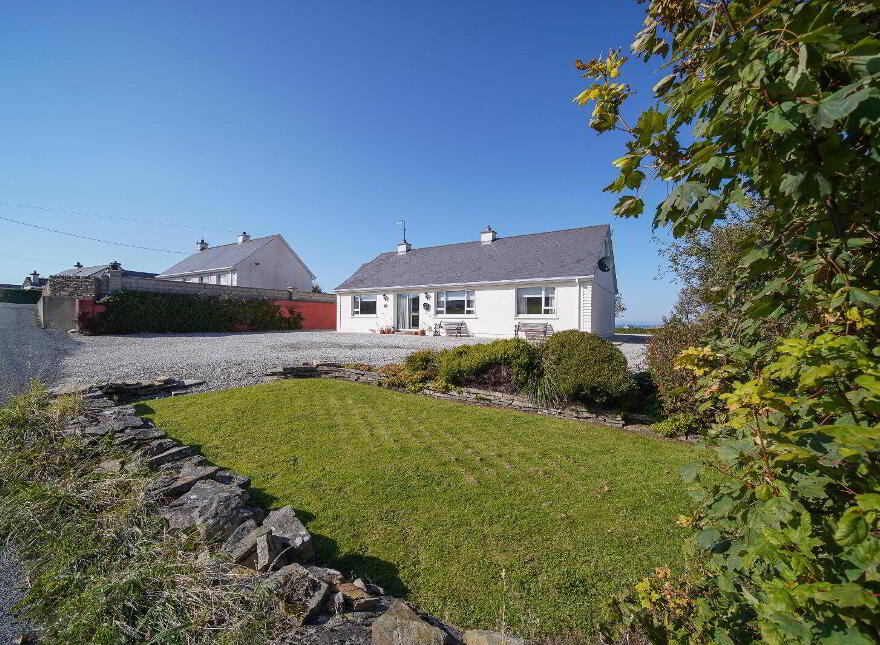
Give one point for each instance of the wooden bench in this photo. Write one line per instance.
(453, 328)
(533, 331)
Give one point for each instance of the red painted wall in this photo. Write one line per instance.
(316, 315)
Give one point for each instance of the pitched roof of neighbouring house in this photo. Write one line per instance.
(554, 254)
(89, 272)
(219, 257)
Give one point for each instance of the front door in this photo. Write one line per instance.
(407, 311)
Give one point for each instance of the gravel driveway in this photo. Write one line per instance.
(230, 360)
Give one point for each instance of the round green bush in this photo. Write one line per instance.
(587, 369)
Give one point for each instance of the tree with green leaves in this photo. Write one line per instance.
(776, 101)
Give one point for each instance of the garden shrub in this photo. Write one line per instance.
(588, 369)
(676, 388)
(20, 296)
(421, 360)
(463, 365)
(132, 312)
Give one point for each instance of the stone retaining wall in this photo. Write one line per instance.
(246, 547)
(463, 394)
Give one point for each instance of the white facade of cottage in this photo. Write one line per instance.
(491, 308)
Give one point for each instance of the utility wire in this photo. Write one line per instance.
(117, 217)
(18, 257)
(85, 237)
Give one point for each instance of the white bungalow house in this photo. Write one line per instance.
(262, 262)
(562, 278)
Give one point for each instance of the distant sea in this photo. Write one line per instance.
(636, 323)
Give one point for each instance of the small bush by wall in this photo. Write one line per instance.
(676, 389)
(20, 296)
(587, 369)
(132, 312)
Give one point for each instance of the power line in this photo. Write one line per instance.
(117, 217)
(93, 239)
(18, 257)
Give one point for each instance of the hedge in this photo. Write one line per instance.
(20, 296)
(133, 312)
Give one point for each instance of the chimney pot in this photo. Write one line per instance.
(78, 265)
(488, 236)
(403, 248)
(201, 245)
(243, 237)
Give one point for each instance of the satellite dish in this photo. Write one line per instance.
(605, 264)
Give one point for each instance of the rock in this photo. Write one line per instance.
(244, 551)
(401, 625)
(486, 637)
(293, 534)
(330, 576)
(303, 594)
(232, 542)
(157, 447)
(169, 487)
(366, 604)
(232, 479)
(137, 435)
(338, 602)
(351, 592)
(113, 425)
(213, 509)
(175, 454)
(269, 552)
(182, 464)
(373, 590)
(112, 465)
(189, 382)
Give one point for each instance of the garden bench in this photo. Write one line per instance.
(533, 331)
(453, 328)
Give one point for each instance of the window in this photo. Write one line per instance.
(363, 305)
(536, 301)
(454, 303)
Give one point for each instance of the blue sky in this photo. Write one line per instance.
(325, 122)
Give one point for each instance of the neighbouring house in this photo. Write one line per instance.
(262, 262)
(565, 279)
(34, 281)
(80, 271)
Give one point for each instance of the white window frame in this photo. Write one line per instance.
(356, 304)
(440, 299)
(546, 311)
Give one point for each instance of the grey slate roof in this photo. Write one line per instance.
(554, 254)
(219, 257)
(95, 271)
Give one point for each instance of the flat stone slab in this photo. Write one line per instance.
(304, 595)
(137, 435)
(215, 510)
(401, 625)
(233, 479)
(171, 486)
(175, 454)
(486, 637)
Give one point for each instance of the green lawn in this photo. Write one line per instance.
(471, 512)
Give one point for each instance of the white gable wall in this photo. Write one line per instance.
(273, 266)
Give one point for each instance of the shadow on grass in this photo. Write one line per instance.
(353, 565)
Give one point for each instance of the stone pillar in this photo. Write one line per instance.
(114, 278)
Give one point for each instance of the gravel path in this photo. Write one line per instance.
(230, 360)
(12, 586)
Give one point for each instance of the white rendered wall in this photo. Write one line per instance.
(495, 310)
(278, 268)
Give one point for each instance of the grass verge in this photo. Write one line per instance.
(102, 566)
(482, 516)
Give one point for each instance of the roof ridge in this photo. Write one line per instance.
(506, 237)
(253, 239)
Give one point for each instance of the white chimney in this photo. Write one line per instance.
(35, 277)
(243, 237)
(488, 236)
(403, 247)
(201, 244)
